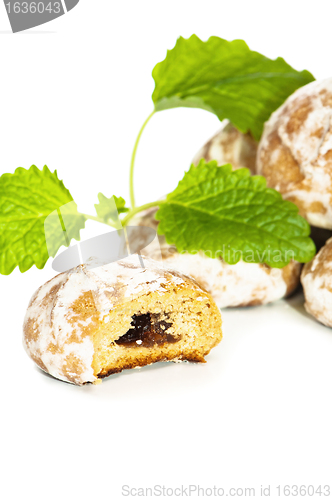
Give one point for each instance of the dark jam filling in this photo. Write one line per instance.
(148, 330)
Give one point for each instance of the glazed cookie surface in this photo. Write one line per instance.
(295, 152)
(229, 145)
(93, 320)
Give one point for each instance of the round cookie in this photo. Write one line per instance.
(229, 145)
(295, 152)
(242, 284)
(94, 320)
(316, 279)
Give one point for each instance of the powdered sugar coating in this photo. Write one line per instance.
(232, 285)
(295, 151)
(229, 145)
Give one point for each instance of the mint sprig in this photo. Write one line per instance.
(224, 213)
(233, 215)
(27, 197)
(226, 78)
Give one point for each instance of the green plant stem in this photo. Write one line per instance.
(98, 219)
(129, 215)
(136, 210)
(132, 163)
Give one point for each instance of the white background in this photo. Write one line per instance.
(74, 94)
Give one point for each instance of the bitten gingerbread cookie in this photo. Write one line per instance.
(92, 321)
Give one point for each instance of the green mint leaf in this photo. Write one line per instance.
(233, 215)
(109, 208)
(226, 78)
(27, 198)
